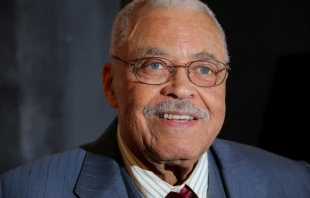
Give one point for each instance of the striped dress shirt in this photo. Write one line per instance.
(151, 186)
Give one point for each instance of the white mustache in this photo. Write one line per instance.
(184, 107)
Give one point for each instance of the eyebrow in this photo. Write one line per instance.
(203, 55)
(151, 51)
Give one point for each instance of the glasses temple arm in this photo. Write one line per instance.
(117, 58)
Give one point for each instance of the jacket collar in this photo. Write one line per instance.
(101, 175)
(241, 175)
(215, 187)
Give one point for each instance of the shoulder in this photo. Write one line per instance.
(277, 169)
(229, 149)
(50, 173)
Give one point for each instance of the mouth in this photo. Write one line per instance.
(176, 116)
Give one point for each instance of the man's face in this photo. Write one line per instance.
(179, 36)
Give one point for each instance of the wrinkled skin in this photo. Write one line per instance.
(168, 147)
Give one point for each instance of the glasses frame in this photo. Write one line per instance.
(187, 65)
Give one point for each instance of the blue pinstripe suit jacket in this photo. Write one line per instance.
(96, 170)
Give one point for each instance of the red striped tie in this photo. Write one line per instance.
(186, 192)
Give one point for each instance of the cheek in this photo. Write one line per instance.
(214, 100)
(134, 96)
(130, 113)
(142, 94)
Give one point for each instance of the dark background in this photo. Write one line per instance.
(52, 53)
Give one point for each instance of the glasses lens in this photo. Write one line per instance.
(207, 73)
(153, 70)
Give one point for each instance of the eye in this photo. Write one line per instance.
(204, 70)
(155, 65)
(152, 64)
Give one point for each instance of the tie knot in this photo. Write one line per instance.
(186, 192)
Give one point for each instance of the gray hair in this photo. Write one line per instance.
(121, 24)
(167, 105)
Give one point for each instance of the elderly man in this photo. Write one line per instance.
(167, 79)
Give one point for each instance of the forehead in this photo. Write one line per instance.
(174, 32)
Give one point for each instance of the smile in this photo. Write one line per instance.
(171, 116)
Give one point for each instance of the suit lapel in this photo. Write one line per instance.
(240, 174)
(215, 187)
(132, 189)
(100, 177)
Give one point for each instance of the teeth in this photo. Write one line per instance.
(175, 117)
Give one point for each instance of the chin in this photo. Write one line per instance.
(172, 155)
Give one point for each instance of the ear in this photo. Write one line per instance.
(107, 82)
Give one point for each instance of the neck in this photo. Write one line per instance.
(173, 172)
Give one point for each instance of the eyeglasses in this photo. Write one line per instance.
(157, 70)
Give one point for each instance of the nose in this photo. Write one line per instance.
(179, 86)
